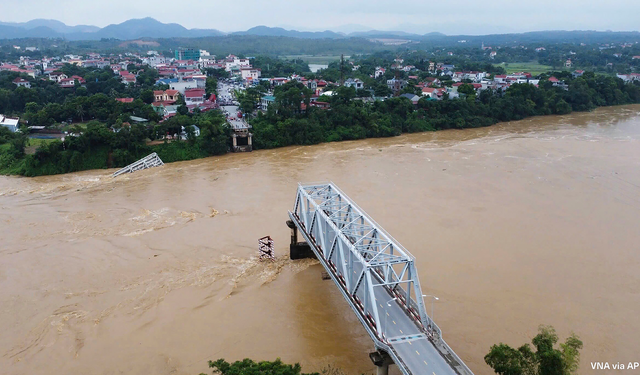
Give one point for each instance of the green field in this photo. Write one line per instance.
(314, 59)
(37, 142)
(531, 67)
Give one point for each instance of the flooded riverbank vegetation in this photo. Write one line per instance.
(99, 147)
(292, 121)
(288, 122)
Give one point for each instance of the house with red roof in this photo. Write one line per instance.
(125, 100)
(21, 82)
(127, 77)
(194, 96)
(71, 82)
(57, 76)
(166, 97)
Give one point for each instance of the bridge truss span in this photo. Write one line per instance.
(377, 277)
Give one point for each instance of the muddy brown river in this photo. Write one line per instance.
(516, 225)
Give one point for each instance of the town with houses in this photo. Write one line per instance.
(184, 74)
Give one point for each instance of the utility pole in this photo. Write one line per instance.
(342, 69)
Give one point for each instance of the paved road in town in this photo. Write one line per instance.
(225, 94)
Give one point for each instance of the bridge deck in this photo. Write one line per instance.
(397, 323)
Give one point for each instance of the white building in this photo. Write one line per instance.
(9, 123)
(181, 86)
(250, 73)
(357, 83)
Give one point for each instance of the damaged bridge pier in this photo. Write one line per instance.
(298, 250)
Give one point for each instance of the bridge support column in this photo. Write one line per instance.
(298, 250)
(382, 360)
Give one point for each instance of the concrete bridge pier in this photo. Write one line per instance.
(298, 250)
(382, 360)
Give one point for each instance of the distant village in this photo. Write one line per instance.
(185, 75)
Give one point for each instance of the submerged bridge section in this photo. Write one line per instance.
(149, 161)
(378, 279)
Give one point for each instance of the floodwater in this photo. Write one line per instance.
(516, 225)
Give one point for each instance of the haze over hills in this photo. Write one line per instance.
(131, 29)
(151, 28)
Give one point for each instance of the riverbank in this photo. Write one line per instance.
(348, 119)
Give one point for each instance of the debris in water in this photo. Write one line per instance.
(265, 248)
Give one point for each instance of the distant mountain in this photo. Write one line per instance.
(54, 25)
(151, 28)
(351, 28)
(131, 29)
(434, 34)
(278, 31)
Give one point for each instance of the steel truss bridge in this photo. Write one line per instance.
(149, 161)
(378, 278)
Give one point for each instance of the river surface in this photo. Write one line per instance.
(515, 225)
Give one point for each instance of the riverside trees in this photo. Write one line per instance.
(286, 123)
(546, 360)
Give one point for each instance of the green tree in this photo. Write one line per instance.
(546, 360)
(211, 85)
(147, 96)
(249, 367)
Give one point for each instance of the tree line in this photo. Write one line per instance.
(291, 120)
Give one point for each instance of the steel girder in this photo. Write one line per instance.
(362, 254)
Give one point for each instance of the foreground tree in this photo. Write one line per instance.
(249, 367)
(546, 360)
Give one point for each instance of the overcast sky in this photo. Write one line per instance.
(419, 16)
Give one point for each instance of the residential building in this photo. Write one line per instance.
(9, 123)
(127, 77)
(357, 83)
(250, 73)
(629, 77)
(396, 84)
(71, 81)
(182, 86)
(413, 97)
(267, 100)
(194, 96)
(57, 76)
(167, 96)
(196, 132)
(21, 82)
